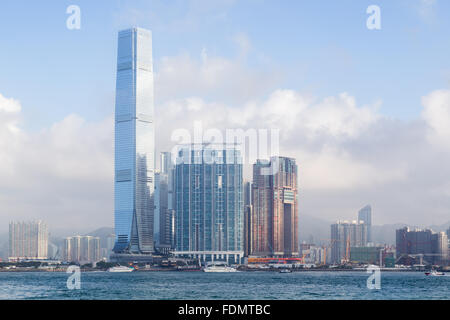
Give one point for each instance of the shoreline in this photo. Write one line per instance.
(199, 270)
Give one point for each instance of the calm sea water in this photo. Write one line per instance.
(243, 285)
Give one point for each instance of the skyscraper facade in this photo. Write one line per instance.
(71, 249)
(82, 249)
(285, 207)
(365, 215)
(345, 235)
(160, 204)
(261, 210)
(440, 248)
(28, 241)
(247, 219)
(134, 143)
(275, 208)
(209, 203)
(432, 247)
(166, 201)
(416, 241)
(107, 250)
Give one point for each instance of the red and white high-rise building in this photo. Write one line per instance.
(275, 208)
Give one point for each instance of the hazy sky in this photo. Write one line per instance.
(366, 113)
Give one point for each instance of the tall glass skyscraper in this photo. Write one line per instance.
(209, 202)
(365, 215)
(134, 143)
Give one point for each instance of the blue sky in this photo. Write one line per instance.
(320, 47)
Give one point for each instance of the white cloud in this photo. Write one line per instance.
(61, 174)
(197, 14)
(311, 131)
(348, 154)
(427, 10)
(210, 77)
(436, 113)
(244, 44)
(10, 135)
(9, 105)
(333, 169)
(340, 117)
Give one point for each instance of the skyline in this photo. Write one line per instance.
(350, 150)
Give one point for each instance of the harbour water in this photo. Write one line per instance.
(227, 286)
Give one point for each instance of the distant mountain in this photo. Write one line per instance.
(440, 228)
(313, 230)
(100, 232)
(103, 234)
(386, 233)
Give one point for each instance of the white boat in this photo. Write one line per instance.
(120, 269)
(219, 267)
(435, 273)
(284, 270)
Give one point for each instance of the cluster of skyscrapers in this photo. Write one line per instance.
(351, 242)
(29, 241)
(82, 249)
(195, 203)
(346, 235)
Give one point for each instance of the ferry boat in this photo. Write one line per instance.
(219, 267)
(284, 270)
(120, 269)
(435, 273)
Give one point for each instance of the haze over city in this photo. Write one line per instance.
(366, 114)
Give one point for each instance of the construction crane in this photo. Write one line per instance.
(347, 248)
